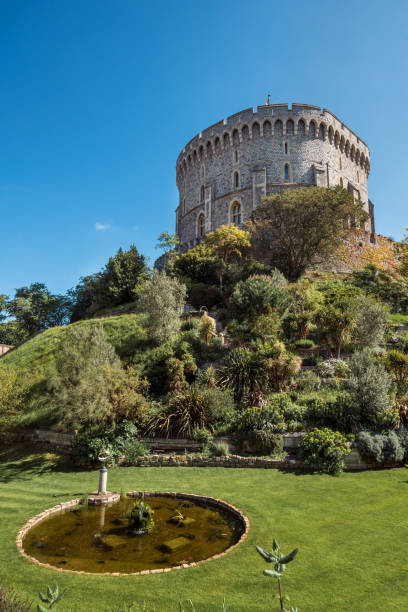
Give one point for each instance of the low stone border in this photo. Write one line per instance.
(231, 461)
(210, 501)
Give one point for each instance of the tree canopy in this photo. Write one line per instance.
(295, 228)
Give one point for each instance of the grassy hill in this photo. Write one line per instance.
(125, 332)
(34, 357)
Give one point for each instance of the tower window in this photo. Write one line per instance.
(340, 164)
(236, 213)
(286, 148)
(236, 180)
(341, 182)
(202, 193)
(286, 173)
(236, 155)
(358, 177)
(201, 226)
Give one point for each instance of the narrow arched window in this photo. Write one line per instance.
(278, 127)
(358, 177)
(301, 128)
(341, 182)
(267, 129)
(321, 131)
(236, 213)
(286, 148)
(312, 129)
(340, 167)
(236, 180)
(290, 127)
(236, 155)
(202, 193)
(286, 173)
(201, 226)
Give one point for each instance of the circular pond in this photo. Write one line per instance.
(99, 539)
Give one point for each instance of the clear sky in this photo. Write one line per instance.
(98, 98)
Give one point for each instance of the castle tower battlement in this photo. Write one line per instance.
(225, 170)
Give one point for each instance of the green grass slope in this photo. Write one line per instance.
(125, 332)
(36, 356)
(351, 533)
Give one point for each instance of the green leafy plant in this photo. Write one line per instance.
(220, 449)
(325, 449)
(280, 562)
(51, 599)
(141, 517)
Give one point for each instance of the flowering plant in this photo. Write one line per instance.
(325, 449)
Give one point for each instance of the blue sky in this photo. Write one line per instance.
(98, 98)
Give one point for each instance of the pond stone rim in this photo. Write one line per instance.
(212, 501)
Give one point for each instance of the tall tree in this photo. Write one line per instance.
(35, 309)
(162, 300)
(119, 282)
(228, 243)
(169, 244)
(295, 228)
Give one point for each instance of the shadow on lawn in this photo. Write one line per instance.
(22, 464)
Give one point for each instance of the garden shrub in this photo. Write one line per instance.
(207, 377)
(78, 388)
(280, 365)
(256, 418)
(401, 343)
(189, 324)
(308, 381)
(371, 322)
(132, 450)
(305, 343)
(324, 449)
(258, 429)
(336, 410)
(219, 449)
(265, 441)
(203, 435)
(384, 448)
(333, 368)
(258, 295)
(88, 446)
(382, 285)
(371, 387)
(243, 372)
(219, 407)
(396, 364)
(185, 412)
(127, 393)
(162, 300)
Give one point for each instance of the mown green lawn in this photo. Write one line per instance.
(351, 531)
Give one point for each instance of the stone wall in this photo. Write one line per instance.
(257, 152)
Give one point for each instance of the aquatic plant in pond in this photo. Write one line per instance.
(141, 517)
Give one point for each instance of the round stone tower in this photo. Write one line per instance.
(224, 171)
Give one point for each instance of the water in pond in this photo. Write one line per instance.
(98, 539)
